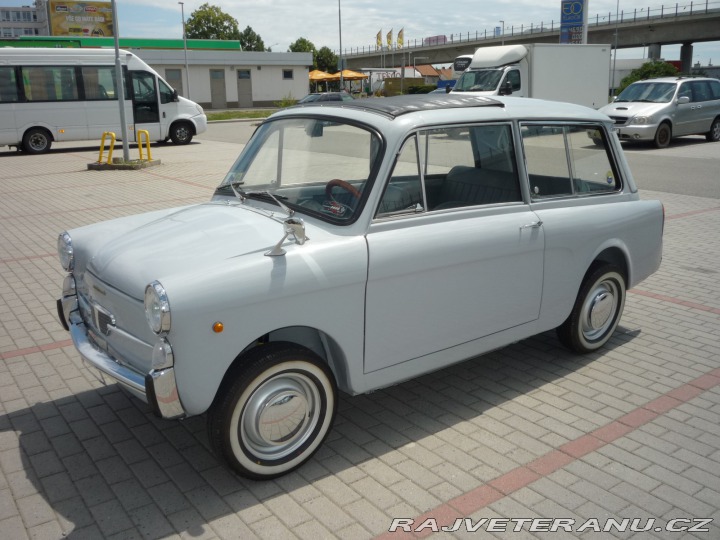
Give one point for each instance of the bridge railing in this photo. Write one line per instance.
(664, 11)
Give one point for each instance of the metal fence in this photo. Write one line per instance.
(664, 11)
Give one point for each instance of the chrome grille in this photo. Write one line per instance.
(104, 320)
(619, 120)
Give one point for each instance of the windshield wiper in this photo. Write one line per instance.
(243, 195)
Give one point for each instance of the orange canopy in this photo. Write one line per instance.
(316, 75)
(348, 75)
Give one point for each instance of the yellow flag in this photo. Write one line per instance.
(401, 38)
(379, 39)
(389, 38)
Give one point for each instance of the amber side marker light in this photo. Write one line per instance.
(218, 327)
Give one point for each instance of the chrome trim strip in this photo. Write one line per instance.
(164, 387)
(102, 361)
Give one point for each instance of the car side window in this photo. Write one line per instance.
(715, 89)
(403, 192)
(685, 91)
(701, 91)
(513, 77)
(567, 160)
(460, 166)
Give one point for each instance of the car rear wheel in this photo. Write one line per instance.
(274, 411)
(597, 310)
(714, 134)
(663, 136)
(36, 141)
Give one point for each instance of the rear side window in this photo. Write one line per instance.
(8, 85)
(715, 89)
(50, 83)
(568, 160)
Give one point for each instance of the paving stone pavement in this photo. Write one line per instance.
(530, 431)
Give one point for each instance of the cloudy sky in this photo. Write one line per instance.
(281, 22)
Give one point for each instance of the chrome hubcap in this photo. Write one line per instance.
(599, 310)
(37, 142)
(280, 416)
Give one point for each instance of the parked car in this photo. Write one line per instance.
(353, 246)
(326, 96)
(659, 109)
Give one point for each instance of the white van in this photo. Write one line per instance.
(51, 95)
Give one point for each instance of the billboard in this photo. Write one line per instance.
(86, 19)
(573, 21)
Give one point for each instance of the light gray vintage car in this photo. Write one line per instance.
(356, 245)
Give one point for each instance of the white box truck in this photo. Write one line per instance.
(558, 72)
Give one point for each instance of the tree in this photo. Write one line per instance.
(326, 60)
(251, 41)
(302, 45)
(649, 70)
(210, 22)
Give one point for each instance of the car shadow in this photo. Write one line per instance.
(104, 465)
(12, 152)
(679, 142)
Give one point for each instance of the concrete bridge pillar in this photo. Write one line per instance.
(686, 54)
(654, 51)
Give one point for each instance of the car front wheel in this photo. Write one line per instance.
(663, 136)
(181, 133)
(597, 310)
(273, 412)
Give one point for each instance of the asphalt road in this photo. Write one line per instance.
(690, 166)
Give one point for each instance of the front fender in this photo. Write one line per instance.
(321, 287)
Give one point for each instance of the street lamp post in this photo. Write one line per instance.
(415, 62)
(341, 51)
(502, 42)
(187, 69)
(120, 87)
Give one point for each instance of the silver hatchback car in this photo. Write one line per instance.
(659, 109)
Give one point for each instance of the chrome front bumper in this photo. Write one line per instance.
(158, 388)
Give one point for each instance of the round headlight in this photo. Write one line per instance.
(65, 252)
(157, 308)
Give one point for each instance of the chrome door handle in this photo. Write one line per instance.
(535, 225)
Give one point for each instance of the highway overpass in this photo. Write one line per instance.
(653, 28)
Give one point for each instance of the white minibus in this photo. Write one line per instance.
(51, 95)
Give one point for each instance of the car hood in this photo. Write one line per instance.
(632, 108)
(184, 241)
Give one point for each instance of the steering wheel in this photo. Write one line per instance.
(332, 205)
(347, 186)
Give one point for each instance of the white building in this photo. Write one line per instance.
(22, 21)
(233, 79)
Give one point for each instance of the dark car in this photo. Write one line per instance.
(326, 96)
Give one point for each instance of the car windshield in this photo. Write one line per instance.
(309, 98)
(483, 80)
(650, 92)
(312, 165)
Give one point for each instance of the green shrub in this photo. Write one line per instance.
(287, 101)
(649, 70)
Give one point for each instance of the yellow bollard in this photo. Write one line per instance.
(138, 138)
(102, 146)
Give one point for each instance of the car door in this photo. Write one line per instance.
(685, 113)
(146, 110)
(449, 261)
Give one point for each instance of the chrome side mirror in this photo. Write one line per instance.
(294, 227)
